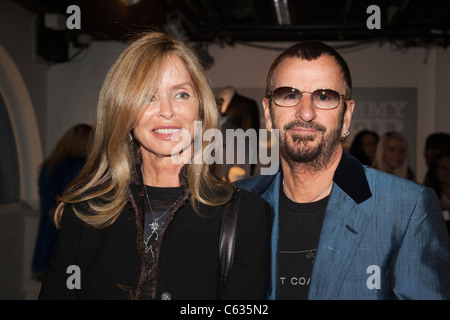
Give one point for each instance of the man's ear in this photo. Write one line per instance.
(348, 115)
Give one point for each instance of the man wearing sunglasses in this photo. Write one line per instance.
(341, 230)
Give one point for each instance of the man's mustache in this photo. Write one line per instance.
(303, 124)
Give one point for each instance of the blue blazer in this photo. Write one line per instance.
(383, 237)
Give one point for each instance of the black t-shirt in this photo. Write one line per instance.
(299, 230)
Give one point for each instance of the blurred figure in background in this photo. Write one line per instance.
(364, 146)
(436, 143)
(392, 155)
(438, 178)
(236, 112)
(55, 173)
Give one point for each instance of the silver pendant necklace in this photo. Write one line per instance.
(322, 192)
(155, 226)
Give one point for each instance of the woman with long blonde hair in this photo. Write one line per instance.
(392, 155)
(139, 224)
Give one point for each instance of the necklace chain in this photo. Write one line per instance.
(155, 224)
(322, 192)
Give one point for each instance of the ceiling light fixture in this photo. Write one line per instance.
(130, 2)
(282, 11)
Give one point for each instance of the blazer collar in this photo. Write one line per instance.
(351, 178)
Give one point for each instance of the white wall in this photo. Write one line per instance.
(73, 89)
(23, 86)
(443, 90)
(17, 34)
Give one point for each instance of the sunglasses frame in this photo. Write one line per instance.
(341, 96)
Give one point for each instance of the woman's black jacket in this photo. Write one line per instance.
(109, 263)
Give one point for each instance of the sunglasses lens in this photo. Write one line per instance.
(326, 99)
(286, 96)
(289, 97)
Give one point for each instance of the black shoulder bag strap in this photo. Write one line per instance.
(228, 236)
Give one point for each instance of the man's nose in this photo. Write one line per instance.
(305, 108)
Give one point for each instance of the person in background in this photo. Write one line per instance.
(142, 220)
(392, 155)
(364, 146)
(438, 142)
(55, 173)
(341, 230)
(236, 112)
(438, 178)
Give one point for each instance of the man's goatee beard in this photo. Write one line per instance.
(312, 159)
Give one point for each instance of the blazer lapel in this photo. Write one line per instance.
(342, 230)
(271, 195)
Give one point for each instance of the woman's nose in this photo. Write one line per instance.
(166, 109)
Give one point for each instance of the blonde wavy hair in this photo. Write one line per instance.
(134, 78)
(378, 162)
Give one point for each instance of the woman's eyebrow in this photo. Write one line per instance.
(181, 85)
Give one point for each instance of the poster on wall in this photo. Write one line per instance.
(387, 109)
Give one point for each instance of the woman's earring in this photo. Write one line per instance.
(130, 137)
